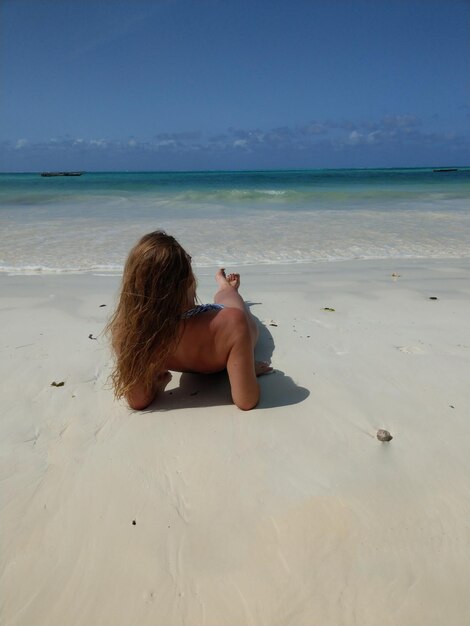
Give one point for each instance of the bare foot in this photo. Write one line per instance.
(262, 368)
(232, 280)
(161, 381)
(221, 278)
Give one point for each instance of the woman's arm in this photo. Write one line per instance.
(241, 365)
(139, 398)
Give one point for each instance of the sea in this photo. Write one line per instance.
(88, 223)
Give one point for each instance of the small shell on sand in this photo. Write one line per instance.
(384, 435)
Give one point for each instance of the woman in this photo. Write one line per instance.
(158, 327)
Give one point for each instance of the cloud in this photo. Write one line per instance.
(181, 136)
(354, 138)
(240, 143)
(166, 143)
(399, 121)
(99, 143)
(390, 134)
(314, 128)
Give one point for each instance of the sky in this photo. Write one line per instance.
(233, 84)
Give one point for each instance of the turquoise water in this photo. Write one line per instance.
(88, 223)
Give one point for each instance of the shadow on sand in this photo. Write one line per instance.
(205, 390)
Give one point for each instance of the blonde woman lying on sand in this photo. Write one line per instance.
(158, 327)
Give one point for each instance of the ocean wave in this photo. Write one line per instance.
(253, 260)
(40, 270)
(119, 202)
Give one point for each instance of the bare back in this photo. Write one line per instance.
(205, 343)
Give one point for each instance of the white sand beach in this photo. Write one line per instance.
(194, 512)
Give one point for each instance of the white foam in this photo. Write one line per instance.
(33, 270)
(90, 241)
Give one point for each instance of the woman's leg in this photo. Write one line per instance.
(228, 296)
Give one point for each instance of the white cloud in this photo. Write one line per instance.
(311, 139)
(354, 137)
(99, 143)
(240, 143)
(166, 143)
(374, 137)
(399, 121)
(192, 135)
(314, 129)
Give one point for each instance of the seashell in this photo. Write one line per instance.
(384, 435)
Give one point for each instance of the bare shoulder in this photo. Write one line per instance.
(231, 320)
(232, 315)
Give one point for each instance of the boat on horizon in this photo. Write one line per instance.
(61, 173)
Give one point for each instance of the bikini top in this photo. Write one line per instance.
(201, 308)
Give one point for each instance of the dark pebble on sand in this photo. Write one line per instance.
(134, 522)
(102, 305)
(433, 298)
(54, 384)
(384, 435)
(90, 336)
(328, 308)
(452, 406)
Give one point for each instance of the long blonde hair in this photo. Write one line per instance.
(146, 325)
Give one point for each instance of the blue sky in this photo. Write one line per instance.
(233, 84)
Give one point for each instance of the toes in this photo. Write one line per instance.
(234, 280)
(220, 275)
(262, 368)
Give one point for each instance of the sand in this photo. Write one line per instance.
(194, 512)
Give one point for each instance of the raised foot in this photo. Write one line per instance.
(232, 280)
(262, 368)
